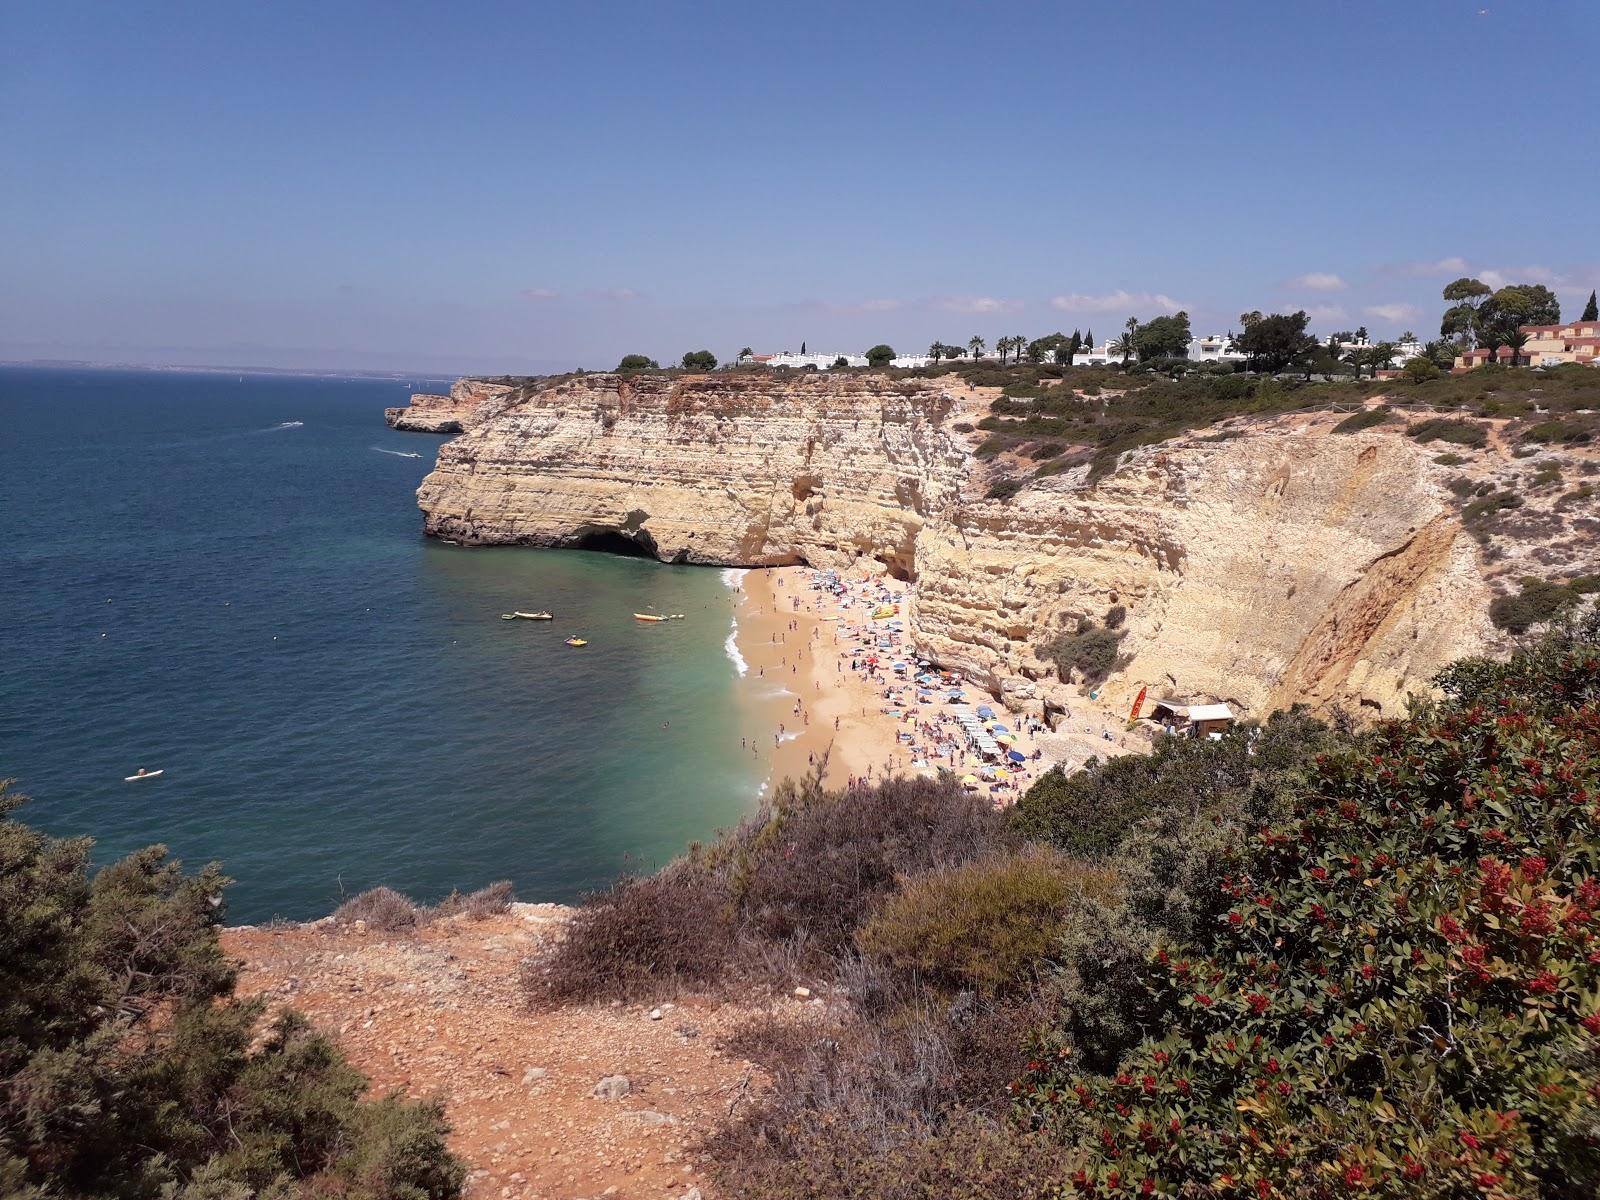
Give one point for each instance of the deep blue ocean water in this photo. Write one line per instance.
(188, 583)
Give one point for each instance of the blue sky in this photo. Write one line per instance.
(492, 187)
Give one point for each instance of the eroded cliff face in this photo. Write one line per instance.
(467, 401)
(1276, 565)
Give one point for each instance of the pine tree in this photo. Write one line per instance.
(1591, 311)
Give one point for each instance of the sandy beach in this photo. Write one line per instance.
(818, 697)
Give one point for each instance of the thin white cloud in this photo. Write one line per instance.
(1393, 312)
(537, 294)
(1319, 281)
(1454, 265)
(1115, 302)
(977, 305)
(1499, 277)
(1327, 312)
(616, 295)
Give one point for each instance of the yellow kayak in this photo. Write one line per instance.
(647, 617)
(576, 641)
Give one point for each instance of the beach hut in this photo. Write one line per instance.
(1209, 720)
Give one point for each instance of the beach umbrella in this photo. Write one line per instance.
(1017, 756)
(1005, 739)
(985, 711)
(999, 729)
(969, 780)
(1001, 773)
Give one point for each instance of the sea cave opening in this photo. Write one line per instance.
(614, 541)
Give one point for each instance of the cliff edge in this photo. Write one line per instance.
(1262, 562)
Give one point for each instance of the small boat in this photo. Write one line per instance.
(535, 616)
(143, 774)
(647, 617)
(576, 641)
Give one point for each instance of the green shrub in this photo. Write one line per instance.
(1536, 602)
(1115, 615)
(1365, 419)
(128, 1070)
(1003, 489)
(987, 925)
(1449, 459)
(1230, 387)
(1444, 429)
(1089, 813)
(1568, 432)
(963, 427)
(1400, 994)
(1421, 370)
(1479, 512)
(1090, 652)
(788, 885)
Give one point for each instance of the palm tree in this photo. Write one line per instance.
(1380, 357)
(977, 345)
(936, 351)
(1123, 346)
(746, 352)
(1003, 344)
(1516, 340)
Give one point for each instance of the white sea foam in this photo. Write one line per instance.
(289, 425)
(731, 577)
(732, 648)
(397, 453)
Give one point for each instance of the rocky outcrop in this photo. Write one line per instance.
(427, 413)
(1270, 564)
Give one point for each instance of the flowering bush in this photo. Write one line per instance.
(1400, 992)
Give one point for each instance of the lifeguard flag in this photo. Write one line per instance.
(1138, 703)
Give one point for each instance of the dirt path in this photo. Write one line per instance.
(438, 1011)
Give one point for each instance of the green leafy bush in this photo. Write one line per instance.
(1003, 489)
(986, 925)
(1089, 651)
(129, 1071)
(1399, 994)
(788, 885)
(1365, 419)
(1444, 429)
(1536, 602)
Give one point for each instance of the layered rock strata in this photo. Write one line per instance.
(428, 413)
(1275, 565)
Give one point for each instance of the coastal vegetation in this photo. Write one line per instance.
(130, 1071)
(1304, 960)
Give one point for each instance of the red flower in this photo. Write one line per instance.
(1148, 1186)
(1533, 868)
(1319, 873)
(1235, 919)
(1592, 1022)
(1148, 1083)
(1413, 1169)
(1353, 1176)
(1203, 1000)
(1543, 983)
(1469, 1140)
(1368, 970)
(1258, 1002)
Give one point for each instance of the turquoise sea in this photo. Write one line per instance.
(225, 578)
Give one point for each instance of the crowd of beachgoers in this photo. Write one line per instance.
(835, 652)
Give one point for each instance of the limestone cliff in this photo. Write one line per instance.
(447, 414)
(1272, 565)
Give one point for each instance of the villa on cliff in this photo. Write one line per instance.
(1547, 346)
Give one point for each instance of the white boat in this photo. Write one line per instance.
(537, 616)
(143, 774)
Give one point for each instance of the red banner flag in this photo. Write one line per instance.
(1137, 705)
